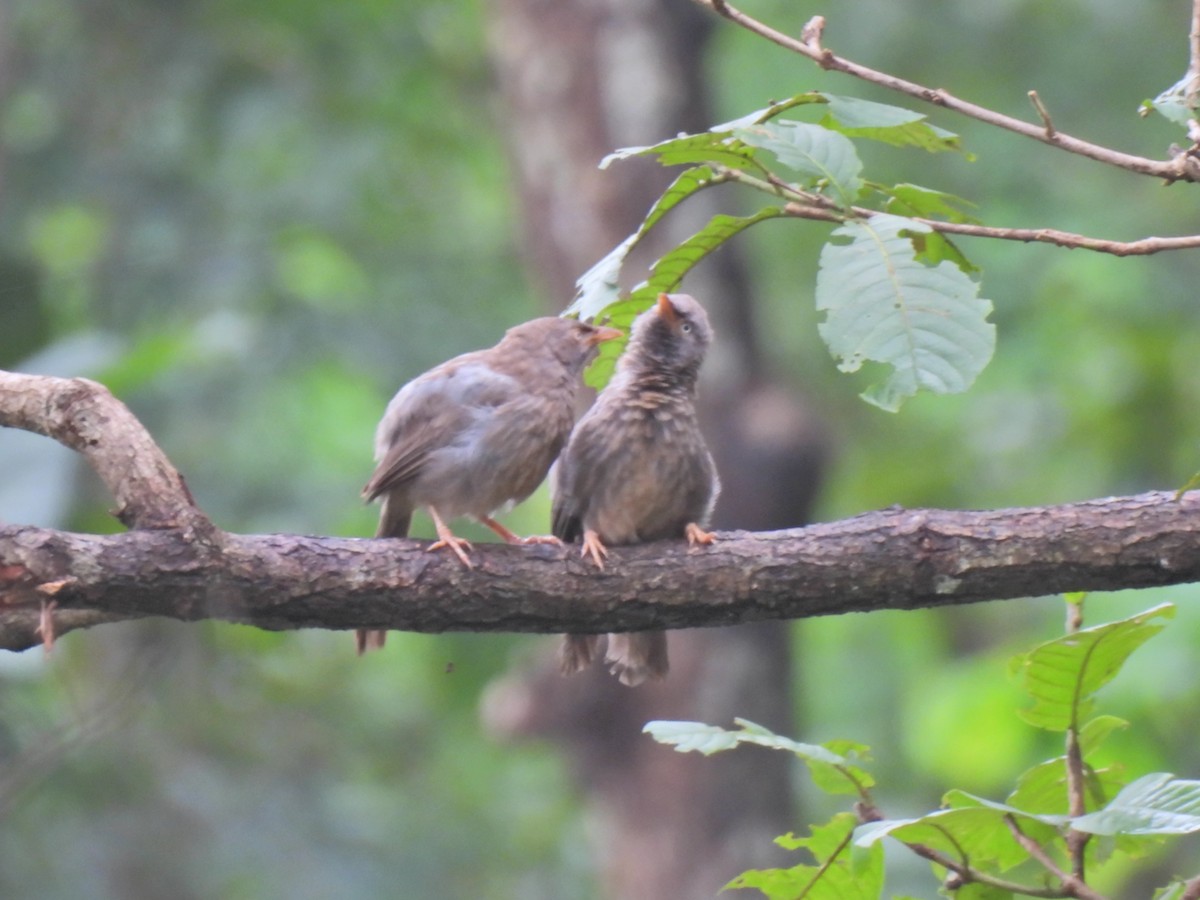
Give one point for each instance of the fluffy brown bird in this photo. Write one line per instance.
(636, 468)
(478, 433)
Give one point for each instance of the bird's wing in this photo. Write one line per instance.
(581, 469)
(433, 411)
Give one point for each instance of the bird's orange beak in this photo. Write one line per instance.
(666, 309)
(600, 335)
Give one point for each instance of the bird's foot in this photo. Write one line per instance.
(511, 538)
(447, 538)
(593, 547)
(697, 535)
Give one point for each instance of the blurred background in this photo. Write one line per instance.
(255, 221)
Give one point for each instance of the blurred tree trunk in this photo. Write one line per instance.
(578, 79)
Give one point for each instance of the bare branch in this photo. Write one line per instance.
(891, 559)
(1183, 167)
(1142, 247)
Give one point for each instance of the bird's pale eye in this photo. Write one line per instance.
(686, 327)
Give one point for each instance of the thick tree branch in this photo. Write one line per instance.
(185, 568)
(1184, 166)
(891, 559)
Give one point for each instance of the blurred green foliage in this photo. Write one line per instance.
(255, 221)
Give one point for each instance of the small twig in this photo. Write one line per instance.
(968, 875)
(809, 205)
(1044, 113)
(1072, 886)
(1180, 168)
(1076, 785)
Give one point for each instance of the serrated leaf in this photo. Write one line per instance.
(1062, 675)
(884, 305)
(705, 147)
(665, 276)
(1043, 788)
(890, 124)
(598, 287)
(811, 150)
(914, 200)
(1153, 804)
(838, 875)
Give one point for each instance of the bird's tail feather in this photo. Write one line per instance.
(638, 655)
(577, 652)
(394, 520)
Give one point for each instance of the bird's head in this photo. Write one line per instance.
(671, 336)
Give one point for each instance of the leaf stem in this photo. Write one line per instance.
(1073, 885)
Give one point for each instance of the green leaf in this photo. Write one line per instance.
(1043, 788)
(1061, 675)
(838, 875)
(890, 124)
(1154, 804)
(665, 275)
(810, 150)
(709, 739)
(597, 287)
(974, 830)
(707, 147)
(914, 200)
(927, 322)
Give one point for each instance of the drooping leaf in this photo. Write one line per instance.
(665, 275)
(709, 739)
(890, 124)
(884, 305)
(837, 875)
(597, 288)
(1063, 674)
(1153, 804)
(813, 151)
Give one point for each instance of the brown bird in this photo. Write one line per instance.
(636, 468)
(478, 433)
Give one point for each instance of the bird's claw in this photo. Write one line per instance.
(541, 539)
(593, 547)
(697, 535)
(456, 544)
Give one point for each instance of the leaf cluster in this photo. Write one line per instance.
(1038, 841)
(894, 290)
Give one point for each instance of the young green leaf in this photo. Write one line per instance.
(665, 275)
(1154, 804)
(1173, 103)
(890, 124)
(914, 200)
(838, 875)
(707, 147)
(884, 305)
(597, 288)
(1063, 674)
